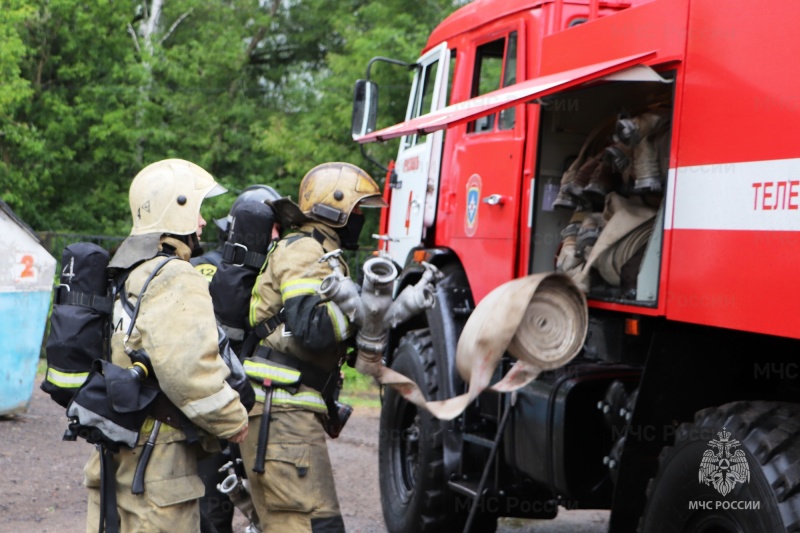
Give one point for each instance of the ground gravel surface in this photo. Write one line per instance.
(41, 488)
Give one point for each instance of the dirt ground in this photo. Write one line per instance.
(41, 486)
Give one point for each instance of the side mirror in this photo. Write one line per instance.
(365, 108)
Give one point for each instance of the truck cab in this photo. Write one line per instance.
(644, 149)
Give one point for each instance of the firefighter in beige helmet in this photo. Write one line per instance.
(177, 329)
(303, 341)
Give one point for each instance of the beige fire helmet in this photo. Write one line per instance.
(165, 197)
(329, 193)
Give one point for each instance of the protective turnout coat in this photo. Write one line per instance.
(177, 329)
(313, 331)
(296, 493)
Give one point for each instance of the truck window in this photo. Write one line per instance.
(450, 74)
(508, 116)
(423, 99)
(495, 67)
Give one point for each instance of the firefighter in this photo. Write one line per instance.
(216, 508)
(176, 327)
(298, 360)
(207, 263)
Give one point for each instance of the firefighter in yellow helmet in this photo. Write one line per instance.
(295, 369)
(176, 327)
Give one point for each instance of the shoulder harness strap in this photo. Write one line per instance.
(316, 234)
(239, 255)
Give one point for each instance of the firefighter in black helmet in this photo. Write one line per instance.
(304, 341)
(208, 263)
(216, 508)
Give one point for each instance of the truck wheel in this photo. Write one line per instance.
(414, 493)
(698, 491)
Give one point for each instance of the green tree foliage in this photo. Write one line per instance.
(252, 90)
(391, 28)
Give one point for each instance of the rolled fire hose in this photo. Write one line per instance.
(610, 266)
(541, 320)
(625, 215)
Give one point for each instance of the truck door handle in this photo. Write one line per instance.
(494, 199)
(384, 237)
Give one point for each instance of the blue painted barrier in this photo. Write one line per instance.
(26, 280)
(24, 315)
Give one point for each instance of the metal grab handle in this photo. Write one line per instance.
(494, 199)
(385, 238)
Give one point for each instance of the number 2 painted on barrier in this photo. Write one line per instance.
(27, 270)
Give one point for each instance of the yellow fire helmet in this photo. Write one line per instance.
(165, 197)
(329, 193)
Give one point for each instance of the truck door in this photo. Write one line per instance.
(419, 159)
(487, 161)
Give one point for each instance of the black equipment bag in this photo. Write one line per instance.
(243, 257)
(79, 320)
(111, 406)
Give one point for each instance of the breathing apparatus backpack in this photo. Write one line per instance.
(79, 321)
(113, 403)
(244, 255)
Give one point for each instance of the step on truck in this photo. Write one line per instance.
(651, 151)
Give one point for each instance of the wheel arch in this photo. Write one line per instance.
(446, 319)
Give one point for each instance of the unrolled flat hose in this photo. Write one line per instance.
(541, 320)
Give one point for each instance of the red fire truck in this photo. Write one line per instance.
(682, 412)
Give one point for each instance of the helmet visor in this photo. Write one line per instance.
(216, 190)
(373, 201)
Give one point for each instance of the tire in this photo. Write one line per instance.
(414, 493)
(769, 435)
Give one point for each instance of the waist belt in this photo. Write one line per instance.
(168, 413)
(309, 375)
(309, 400)
(238, 255)
(285, 381)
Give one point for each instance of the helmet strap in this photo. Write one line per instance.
(193, 241)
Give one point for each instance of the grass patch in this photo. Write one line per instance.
(359, 390)
(41, 368)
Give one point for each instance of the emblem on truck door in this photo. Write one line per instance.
(473, 201)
